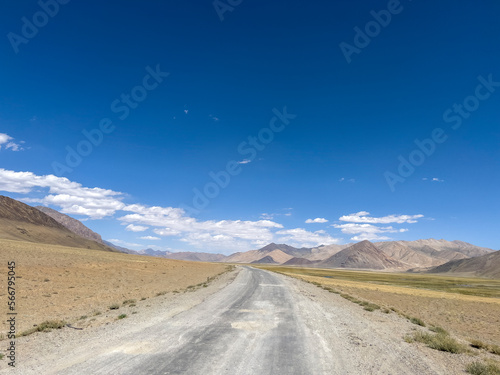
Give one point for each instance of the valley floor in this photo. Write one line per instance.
(246, 322)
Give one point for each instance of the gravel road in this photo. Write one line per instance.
(260, 323)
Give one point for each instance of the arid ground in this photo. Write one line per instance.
(468, 307)
(63, 283)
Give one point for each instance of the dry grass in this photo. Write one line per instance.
(438, 341)
(83, 281)
(483, 368)
(468, 307)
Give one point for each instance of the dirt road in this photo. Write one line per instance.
(260, 323)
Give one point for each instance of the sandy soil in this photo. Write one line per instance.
(470, 317)
(56, 282)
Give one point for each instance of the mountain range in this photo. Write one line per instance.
(19, 221)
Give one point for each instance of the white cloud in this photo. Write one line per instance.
(152, 238)
(317, 220)
(347, 179)
(213, 117)
(300, 237)
(6, 140)
(367, 231)
(136, 228)
(244, 161)
(435, 179)
(72, 197)
(362, 217)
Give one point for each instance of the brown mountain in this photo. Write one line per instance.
(484, 266)
(265, 260)
(362, 255)
(280, 253)
(72, 224)
(20, 222)
(298, 262)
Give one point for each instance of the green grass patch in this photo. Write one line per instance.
(122, 316)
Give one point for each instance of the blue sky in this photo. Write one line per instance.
(380, 119)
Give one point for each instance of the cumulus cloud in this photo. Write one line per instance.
(300, 237)
(136, 228)
(7, 142)
(367, 231)
(152, 238)
(72, 197)
(317, 220)
(362, 217)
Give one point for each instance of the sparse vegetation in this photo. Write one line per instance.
(122, 316)
(478, 344)
(83, 317)
(438, 341)
(114, 306)
(494, 349)
(161, 293)
(96, 313)
(129, 301)
(417, 321)
(438, 330)
(1, 356)
(46, 326)
(481, 368)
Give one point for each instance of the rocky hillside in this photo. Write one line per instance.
(362, 255)
(20, 222)
(484, 266)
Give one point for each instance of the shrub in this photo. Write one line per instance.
(439, 341)
(46, 326)
(494, 349)
(129, 301)
(417, 321)
(114, 306)
(478, 344)
(438, 330)
(480, 368)
(122, 316)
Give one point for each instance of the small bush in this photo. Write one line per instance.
(160, 294)
(1, 356)
(417, 321)
(480, 368)
(439, 341)
(143, 298)
(122, 316)
(386, 311)
(494, 349)
(83, 317)
(97, 313)
(478, 344)
(438, 330)
(129, 301)
(46, 326)
(114, 306)
(132, 305)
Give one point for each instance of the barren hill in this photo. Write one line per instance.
(362, 255)
(20, 222)
(298, 262)
(267, 259)
(72, 224)
(486, 266)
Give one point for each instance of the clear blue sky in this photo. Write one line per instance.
(355, 105)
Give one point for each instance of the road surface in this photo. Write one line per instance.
(258, 324)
